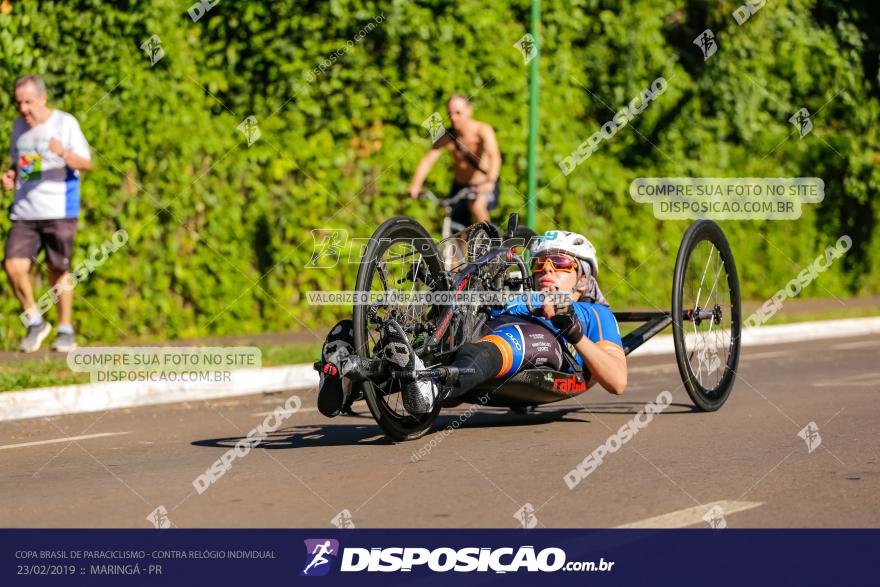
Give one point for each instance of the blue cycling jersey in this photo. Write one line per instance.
(597, 321)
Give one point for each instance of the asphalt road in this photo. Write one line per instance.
(747, 459)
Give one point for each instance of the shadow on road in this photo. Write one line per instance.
(323, 435)
(508, 418)
(547, 415)
(634, 408)
(309, 435)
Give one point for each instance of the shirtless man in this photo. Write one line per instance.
(477, 162)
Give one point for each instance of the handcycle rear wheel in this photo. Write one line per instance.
(400, 257)
(467, 245)
(706, 315)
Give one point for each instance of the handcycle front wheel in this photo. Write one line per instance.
(401, 257)
(706, 315)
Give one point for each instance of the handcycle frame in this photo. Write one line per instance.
(692, 316)
(531, 387)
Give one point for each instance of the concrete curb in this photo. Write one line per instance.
(97, 397)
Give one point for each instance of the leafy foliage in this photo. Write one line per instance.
(220, 232)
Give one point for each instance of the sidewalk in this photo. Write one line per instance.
(298, 337)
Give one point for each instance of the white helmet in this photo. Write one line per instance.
(570, 243)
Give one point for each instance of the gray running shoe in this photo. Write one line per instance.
(64, 342)
(36, 334)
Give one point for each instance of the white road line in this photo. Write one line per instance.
(673, 367)
(691, 516)
(653, 369)
(855, 345)
(286, 414)
(57, 440)
(858, 380)
(749, 357)
(777, 334)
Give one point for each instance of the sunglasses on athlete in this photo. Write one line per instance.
(561, 263)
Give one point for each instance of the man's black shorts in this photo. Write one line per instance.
(462, 213)
(27, 237)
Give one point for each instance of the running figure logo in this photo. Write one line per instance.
(715, 518)
(810, 434)
(708, 357)
(153, 48)
(327, 246)
(526, 516)
(250, 129)
(320, 553)
(159, 517)
(434, 125)
(801, 119)
(706, 42)
(527, 47)
(343, 520)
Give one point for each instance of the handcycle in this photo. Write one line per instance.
(402, 258)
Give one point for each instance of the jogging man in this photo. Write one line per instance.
(477, 162)
(519, 337)
(48, 152)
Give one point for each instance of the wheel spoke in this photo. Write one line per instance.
(702, 279)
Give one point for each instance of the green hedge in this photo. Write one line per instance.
(220, 232)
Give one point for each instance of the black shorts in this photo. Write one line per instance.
(28, 237)
(462, 212)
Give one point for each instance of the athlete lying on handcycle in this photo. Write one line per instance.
(521, 336)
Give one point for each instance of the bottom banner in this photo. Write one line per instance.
(433, 557)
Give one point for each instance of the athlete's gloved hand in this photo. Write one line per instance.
(560, 311)
(567, 322)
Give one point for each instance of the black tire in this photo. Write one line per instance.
(383, 399)
(480, 239)
(705, 253)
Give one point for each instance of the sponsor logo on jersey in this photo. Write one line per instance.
(569, 384)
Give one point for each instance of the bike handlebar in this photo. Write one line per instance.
(466, 193)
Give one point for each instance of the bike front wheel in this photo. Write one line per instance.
(706, 315)
(401, 258)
